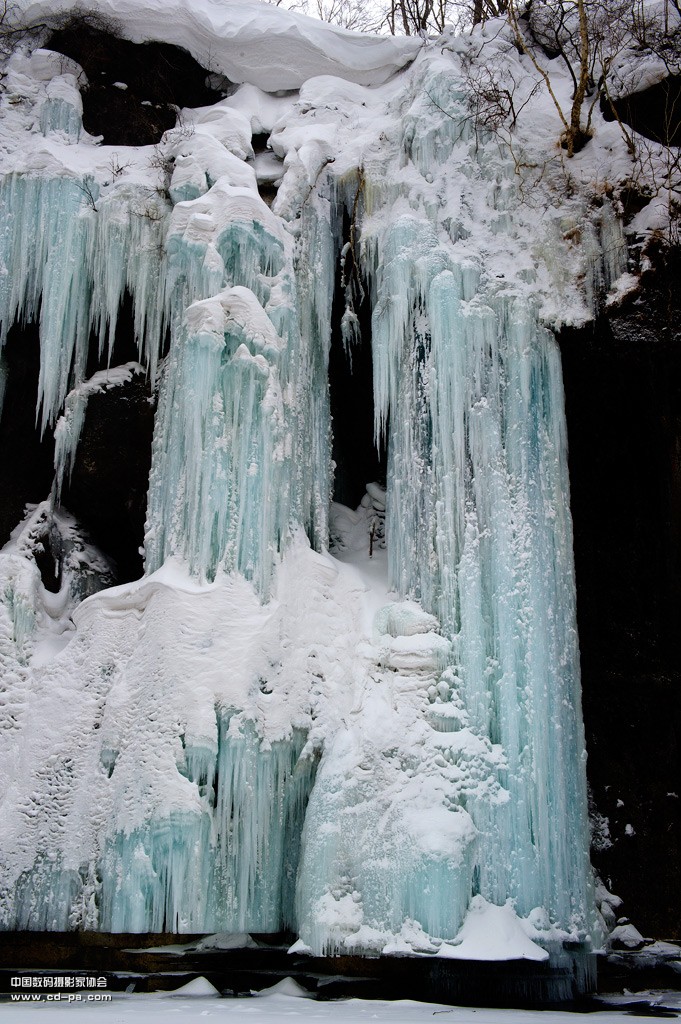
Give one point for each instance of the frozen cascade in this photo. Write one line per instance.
(71, 259)
(479, 533)
(258, 739)
(62, 111)
(228, 867)
(184, 821)
(247, 838)
(241, 443)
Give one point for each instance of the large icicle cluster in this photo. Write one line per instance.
(261, 735)
(479, 527)
(468, 395)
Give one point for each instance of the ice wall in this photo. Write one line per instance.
(262, 736)
(241, 443)
(469, 399)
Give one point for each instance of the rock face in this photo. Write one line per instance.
(107, 492)
(26, 459)
(133, 91)
(650, 112)
(622, 382)
(108, 488)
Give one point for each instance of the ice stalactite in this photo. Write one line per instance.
(69, 260)
(230, 867)
(241, 445)
(62, 111)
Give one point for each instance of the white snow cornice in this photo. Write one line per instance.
(248, 42)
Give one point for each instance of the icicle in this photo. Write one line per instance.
(76, 256)
(62, 111)
(479, 532)
(229, 866)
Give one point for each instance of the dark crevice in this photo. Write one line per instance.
(268, 193)
(49, 566)
(26, 460)
(259, 142)
(268, 182)
(159, 80)
(107, 491)
(124, 348)
(652, 112)
(351, 389)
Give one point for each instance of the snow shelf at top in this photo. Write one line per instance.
(248, 42)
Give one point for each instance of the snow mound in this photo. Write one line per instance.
(226, 940)
(626, 935)
(285, 987)
(197, 987)
(492, 933)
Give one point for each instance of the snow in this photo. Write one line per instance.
(219, 941)
(285, 1001)
(640, 63)
(271, 48)
(492, 933)
(623, 286)
(286, 987)
(626, 935)
(197, 987)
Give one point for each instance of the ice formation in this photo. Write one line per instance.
(261, 734)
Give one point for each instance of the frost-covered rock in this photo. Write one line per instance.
(625, 936)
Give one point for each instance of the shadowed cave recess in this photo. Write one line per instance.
(106, 490)
(357, 460)
(134, 91)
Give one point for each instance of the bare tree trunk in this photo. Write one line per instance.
(574, 132)
(424, 15)
(520, 39)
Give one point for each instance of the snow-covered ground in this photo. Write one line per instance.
(287, 1001)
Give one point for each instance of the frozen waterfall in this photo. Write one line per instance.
(252, 736)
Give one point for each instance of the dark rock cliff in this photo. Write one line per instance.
(623, 402)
